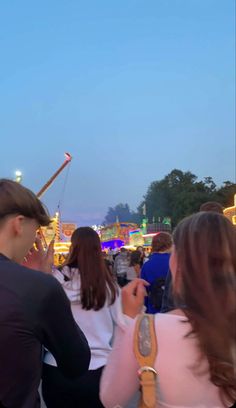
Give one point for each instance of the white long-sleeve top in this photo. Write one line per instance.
(98, 326)
(179, 386)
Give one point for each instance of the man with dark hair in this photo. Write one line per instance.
(34, 310)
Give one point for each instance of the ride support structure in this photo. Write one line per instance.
(67, 160)
(53, 231)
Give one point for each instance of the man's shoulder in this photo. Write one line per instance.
(27, 277)
(147, 264)
(153, 260)
(40, 278)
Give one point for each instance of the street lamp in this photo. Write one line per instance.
(18, 176)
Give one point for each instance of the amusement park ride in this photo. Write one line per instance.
(67, 160)
(119, 234)
(57, 230)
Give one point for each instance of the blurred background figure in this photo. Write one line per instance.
(142, 252)
(133, 270)
(107, 261)
(121, 266)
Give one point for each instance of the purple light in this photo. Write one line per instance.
(113, 244)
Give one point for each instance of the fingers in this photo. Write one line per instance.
(42, 237)
(49, 258)
(141, 292)
(38, 244)
(26, 259)
(133, 285)
(141, 281)
(132, 296)
(51, 245)
(50, 251)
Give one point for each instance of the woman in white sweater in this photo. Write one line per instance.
(196, 359)
(95, 304)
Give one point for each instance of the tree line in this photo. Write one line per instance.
(177, 195)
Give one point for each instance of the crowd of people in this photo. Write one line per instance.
(73, 327)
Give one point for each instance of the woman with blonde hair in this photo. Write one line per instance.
(196, 360)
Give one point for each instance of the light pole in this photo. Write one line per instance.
(18, 176)
(144, 221)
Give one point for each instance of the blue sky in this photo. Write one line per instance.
(132, 89)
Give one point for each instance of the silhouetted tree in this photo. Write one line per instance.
(225, 194)
(180, 194)
(177, 195)
(122, 213)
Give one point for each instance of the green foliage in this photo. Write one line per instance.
(177, 195)
(180, 194)
(225, 194)
(122, 213)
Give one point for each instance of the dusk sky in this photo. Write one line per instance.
(131, 89)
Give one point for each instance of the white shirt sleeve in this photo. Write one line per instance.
(116, 309)
(120, 379)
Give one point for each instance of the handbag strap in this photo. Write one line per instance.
(145, 350)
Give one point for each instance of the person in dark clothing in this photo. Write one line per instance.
(142, 257)
(121, 266)
(167, 299)
(34, 310)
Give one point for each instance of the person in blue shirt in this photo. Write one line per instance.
(155, 270)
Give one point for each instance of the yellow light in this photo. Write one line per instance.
(230, 212)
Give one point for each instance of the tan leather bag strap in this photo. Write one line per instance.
(145, 350)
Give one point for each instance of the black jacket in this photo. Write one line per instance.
(34, 312)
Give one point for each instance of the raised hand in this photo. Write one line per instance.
(133, 297)
(40, 259)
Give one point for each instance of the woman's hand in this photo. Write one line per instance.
(38, 258)
(132, 296)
